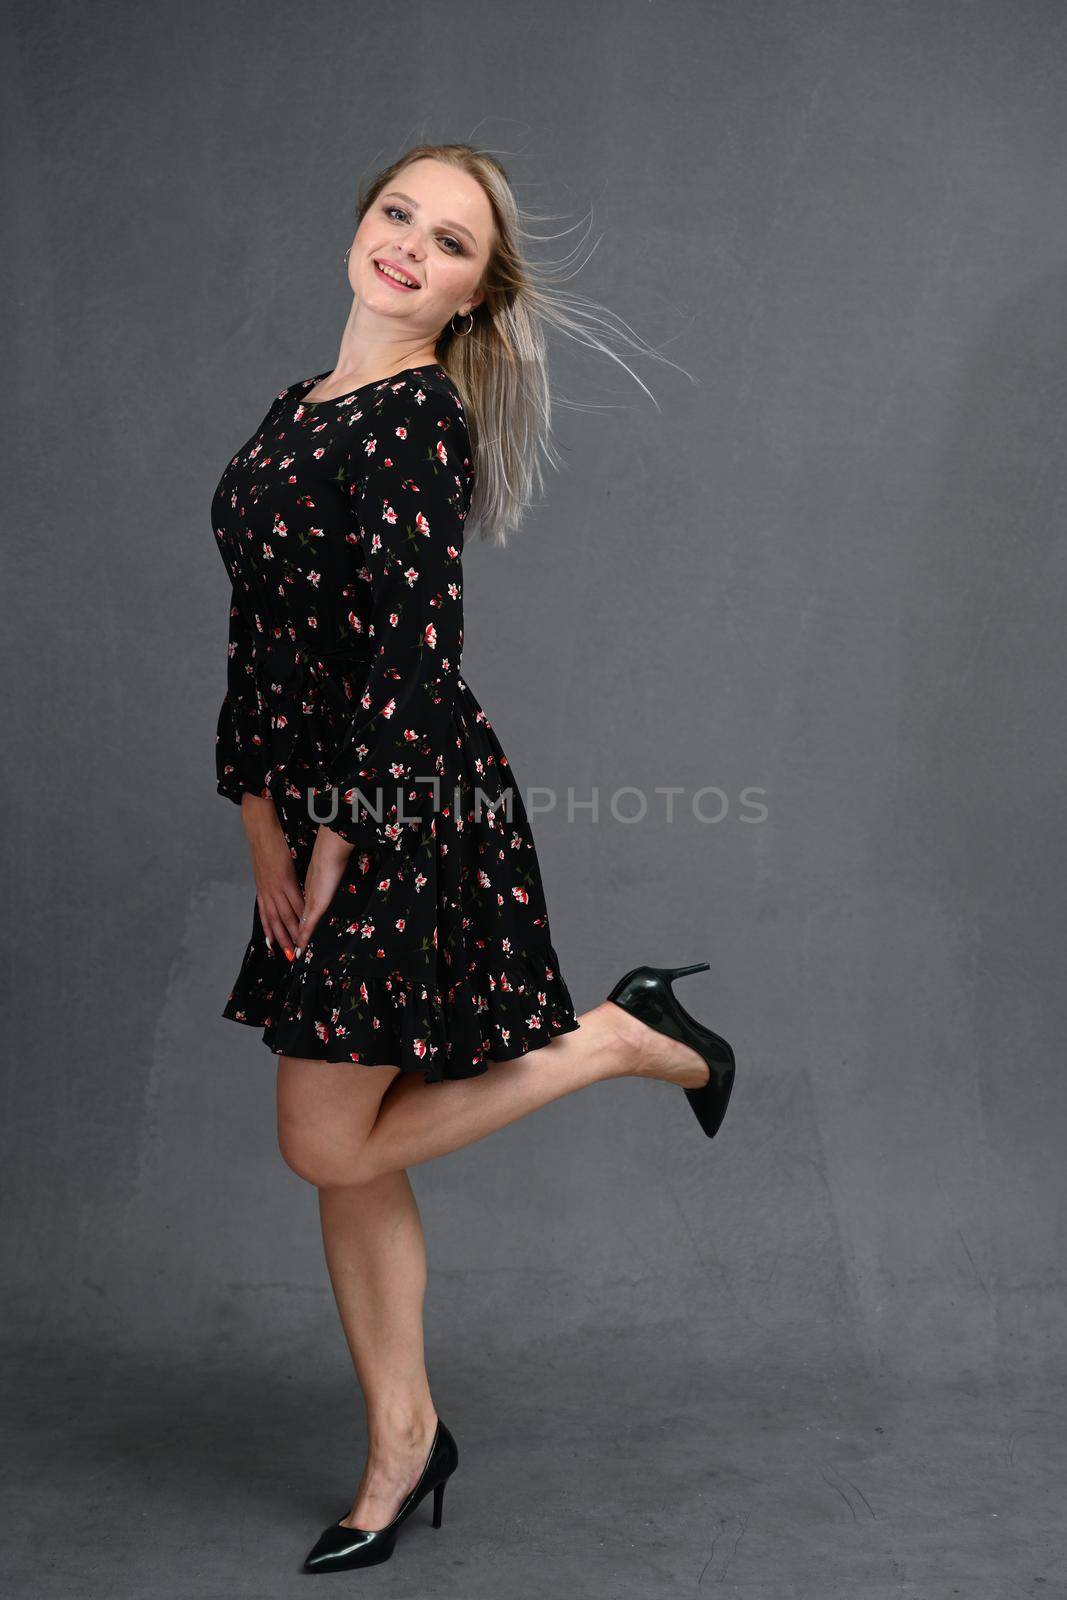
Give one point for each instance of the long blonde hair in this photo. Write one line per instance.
(500, 367)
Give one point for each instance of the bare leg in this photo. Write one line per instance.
(376, 1255)
(371, 1229)
(418, 1120)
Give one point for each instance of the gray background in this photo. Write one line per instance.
(822, 1355)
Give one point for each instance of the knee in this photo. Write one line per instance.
(319, 1158)
(325, 1117)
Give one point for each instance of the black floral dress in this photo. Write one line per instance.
(340, 524)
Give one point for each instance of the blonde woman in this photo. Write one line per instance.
(401, 964)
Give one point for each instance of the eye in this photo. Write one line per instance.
(448, 239)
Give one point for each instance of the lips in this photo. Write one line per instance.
(380, 261)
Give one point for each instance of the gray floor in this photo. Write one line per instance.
(638, 1467)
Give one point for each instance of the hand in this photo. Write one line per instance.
(278, 893)
(329, 858)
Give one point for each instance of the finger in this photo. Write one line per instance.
(282, 936)
(308, 923)
(289, 918)
(268, 922)
(294, 897)
(287, 926)
(279, 925)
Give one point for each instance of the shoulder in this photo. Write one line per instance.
(301, 387)
(419, 406)
(427, 391)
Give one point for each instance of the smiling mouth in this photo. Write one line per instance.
(394, 275)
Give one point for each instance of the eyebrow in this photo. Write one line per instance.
(457, 227)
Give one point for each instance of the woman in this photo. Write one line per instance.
(401, 964)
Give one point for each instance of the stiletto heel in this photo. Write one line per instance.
(646, 993)
(671, 973)
(339, 1548)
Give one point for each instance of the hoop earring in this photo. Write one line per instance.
(345, 256)
(462, 331)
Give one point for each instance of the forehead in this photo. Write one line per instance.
(444, 193)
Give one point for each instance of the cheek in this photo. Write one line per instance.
(372, 233)
(456, 279)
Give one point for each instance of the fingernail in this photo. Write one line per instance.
(299, 950)
(270, 947)
(289, 954)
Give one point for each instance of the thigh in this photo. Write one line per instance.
(326, 1109)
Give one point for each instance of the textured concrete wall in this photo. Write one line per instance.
(833, 570)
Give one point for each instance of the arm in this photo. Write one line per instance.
(240, 757)
(409, 504)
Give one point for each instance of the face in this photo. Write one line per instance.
(433, 225)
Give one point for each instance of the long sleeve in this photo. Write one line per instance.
(241, 758)
(410, 497)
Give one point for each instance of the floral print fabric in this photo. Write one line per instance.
(340, 524)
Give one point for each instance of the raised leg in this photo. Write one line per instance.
(417, 1120)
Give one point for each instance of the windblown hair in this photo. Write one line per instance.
(500, 367)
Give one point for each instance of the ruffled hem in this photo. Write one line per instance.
(319, 1014)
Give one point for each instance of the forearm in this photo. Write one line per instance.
(257, 811)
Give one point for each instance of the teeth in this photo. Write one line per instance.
(390, 272)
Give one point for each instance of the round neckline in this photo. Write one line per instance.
(375, 383)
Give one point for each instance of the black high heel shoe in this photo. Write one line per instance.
(339, 1548)
(646, 993)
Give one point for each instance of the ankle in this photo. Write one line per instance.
(627, 1041)
(400, 1428)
